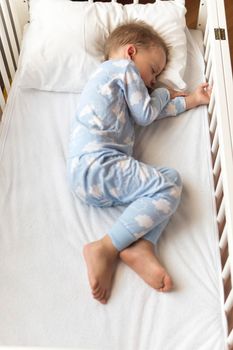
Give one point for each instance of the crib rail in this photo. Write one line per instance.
(218, 74)
(10, 38)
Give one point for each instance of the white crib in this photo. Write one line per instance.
(212, 22)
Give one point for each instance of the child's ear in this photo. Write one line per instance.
(130, 51)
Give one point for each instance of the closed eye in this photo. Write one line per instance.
(155, 70)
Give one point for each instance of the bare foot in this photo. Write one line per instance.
(101, 257)
(141, 258)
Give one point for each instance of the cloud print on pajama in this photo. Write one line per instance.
(101, 168)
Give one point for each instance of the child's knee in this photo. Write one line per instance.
(172, 175)
(176, 189)
(176, 177)
(175, 185)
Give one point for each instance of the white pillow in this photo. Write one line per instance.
(64, 42)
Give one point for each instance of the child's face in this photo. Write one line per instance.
(150, 63)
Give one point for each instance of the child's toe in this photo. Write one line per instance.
(167, 284)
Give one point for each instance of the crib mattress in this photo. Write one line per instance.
(44, 293)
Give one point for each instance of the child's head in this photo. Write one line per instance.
(139, 42)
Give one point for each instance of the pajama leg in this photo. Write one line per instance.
(148, 215)
(152, 194)
(154, 235)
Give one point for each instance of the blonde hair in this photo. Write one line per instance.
(138, 33)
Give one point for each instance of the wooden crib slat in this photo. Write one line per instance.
(230, 338)
(3, 71)
(213, 121)
(6, 49)
(211, 78)
(221, 212)
(2, 100)
(15, 20)
(229, 302)
(208, 69)
(227, 60)
(215, 142)
(206, 34)
(10, 31)
(223, 239)
(226, 270)
(207, 51)
(217, 164)
(212, 101)
(219, 187)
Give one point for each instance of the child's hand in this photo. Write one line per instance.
(203, 93)
(200, 96)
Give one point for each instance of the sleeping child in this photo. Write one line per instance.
(102, 170)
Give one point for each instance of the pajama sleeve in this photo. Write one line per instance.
(173, 108)
(143, 108)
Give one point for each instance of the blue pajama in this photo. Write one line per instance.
(101, 169)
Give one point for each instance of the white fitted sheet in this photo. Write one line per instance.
(44, 293)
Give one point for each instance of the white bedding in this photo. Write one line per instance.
(44, 293)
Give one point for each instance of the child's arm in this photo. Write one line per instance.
(162, 102)
(181, 101)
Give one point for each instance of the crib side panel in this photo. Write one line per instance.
(13, 15)
(219, 75)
